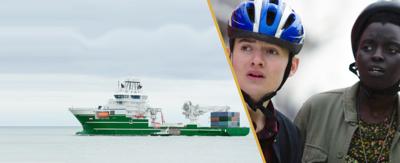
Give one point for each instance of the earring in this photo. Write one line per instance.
(354, 69)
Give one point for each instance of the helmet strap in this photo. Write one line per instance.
(231, 43)
(353, 68)
(231, 46)
(260, 104)
(287, 71)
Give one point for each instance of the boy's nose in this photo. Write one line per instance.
(257, 60)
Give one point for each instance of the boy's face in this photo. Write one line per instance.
(259, 66)
(378, 55)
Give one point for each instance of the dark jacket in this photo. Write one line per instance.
(282, 145)
(279, 133)
(287, 145)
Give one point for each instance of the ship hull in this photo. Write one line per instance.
(123, 125)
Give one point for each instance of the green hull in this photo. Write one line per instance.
(122, 125)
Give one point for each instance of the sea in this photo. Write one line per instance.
(61, 145)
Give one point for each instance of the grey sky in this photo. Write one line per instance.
(104, 14)
(110, 38)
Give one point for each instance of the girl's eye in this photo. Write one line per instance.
(366, 48)
(393, 50)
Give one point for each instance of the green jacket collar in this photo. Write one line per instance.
(350, 112)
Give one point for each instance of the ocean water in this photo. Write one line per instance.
(61, 145)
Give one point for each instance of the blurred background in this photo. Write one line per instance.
(59, 54)
(326, 54)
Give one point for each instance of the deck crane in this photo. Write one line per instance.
(153, 114)
(192, 112)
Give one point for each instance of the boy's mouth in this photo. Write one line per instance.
(255, 74)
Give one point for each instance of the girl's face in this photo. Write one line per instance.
(378, 55)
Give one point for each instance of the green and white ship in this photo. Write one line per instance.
(128, 113)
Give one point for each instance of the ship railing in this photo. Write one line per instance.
(172, 125)
(81, 108)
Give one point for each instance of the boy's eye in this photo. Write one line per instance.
(245, 48)
(272, 51)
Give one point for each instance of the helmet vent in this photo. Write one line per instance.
(302, 31)
(270, 17)
(274, 2)
(250, 12)
(289, 21)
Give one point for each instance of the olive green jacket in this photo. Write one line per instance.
(327, 122)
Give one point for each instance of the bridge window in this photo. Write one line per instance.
(135, 96)
(121, 96)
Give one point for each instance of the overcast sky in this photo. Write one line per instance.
(58, 54)
(172, 39)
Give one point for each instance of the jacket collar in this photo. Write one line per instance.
(350, 112)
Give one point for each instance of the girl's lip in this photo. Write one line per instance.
(376, 68)
(376, 71)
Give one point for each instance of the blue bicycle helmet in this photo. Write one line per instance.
(268, 20)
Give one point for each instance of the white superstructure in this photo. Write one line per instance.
(128, 100)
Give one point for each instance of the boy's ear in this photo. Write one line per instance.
(295, 64)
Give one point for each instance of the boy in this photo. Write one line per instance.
(264, 37)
